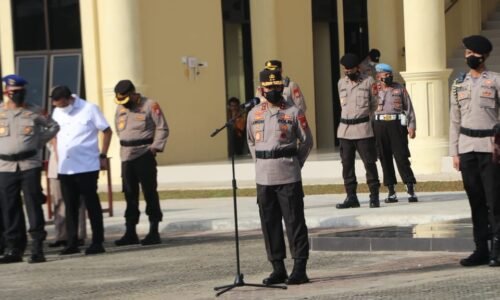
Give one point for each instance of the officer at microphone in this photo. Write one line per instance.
(280, 140)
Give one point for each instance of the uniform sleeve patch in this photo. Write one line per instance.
(156, 108)
(303, 121)
(297, 93)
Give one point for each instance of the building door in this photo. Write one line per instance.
(356, 27)
(238, 53)
(326, 70)
(48, 47)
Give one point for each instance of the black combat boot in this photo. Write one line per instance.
(153, 237)
(374, 199)
(298, 275)
(11, 256)
(2, 245)
(129, 238)
(37, 255)
(495, 252)
(480, 256)
(410, 188)
(350, 201)
(391, 197)
(278, 275)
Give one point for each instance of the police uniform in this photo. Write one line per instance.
(394, 115)
(291, 90)
(140, 129)
(355, 133)
(474, 112)
(280, 140)
(23, 132)
(367, 66)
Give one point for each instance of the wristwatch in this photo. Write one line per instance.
(102, 155)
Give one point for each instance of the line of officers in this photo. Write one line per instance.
(73, 131)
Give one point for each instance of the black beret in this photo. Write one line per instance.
(478, 44)
(60, 92)
(374, 54)
(270, 77)
(349, 60)
(273, 64)
(124, 87)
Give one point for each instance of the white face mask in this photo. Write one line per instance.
(66, 109)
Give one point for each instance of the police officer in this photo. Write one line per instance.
(474, 112)
(291, 90)
(355, 130)
(394, 122)
(23, 132)
(143, 131)
(367, 66)
(280, 140)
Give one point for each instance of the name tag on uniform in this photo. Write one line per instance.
(140, 117)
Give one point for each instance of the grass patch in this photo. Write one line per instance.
(428, 186)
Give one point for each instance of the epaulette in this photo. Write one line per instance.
(286, 81)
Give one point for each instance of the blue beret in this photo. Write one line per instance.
(14, 80)
(383, 68)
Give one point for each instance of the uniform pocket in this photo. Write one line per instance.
(362, 98)
(121, 122)
(488, 97)
(26, 127)
(464, 98)
(4, 130)
(343, 97)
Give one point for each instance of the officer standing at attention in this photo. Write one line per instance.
(291, 90)
(280, 140)
(367, 66)
(394, 122)
(355, 130)
(143, 131)
(474, 112)
(23, 132)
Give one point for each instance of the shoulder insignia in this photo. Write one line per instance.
(155, 108)
(264, 106)
(303, 121)
(296, 92)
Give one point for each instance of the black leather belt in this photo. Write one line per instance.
(477, 132)
(19, 156)
(355, 121)
(137, 142)
(276, 153)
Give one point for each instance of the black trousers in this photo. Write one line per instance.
(11, 185)
(481, 178)
(283, 202)
(392, 140)
(141, 170)
(82, 186)
(368, 153)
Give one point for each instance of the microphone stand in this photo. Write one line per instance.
(238, 280)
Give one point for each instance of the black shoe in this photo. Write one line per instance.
(128, 239)
(37, 258)
(278, 275)
(12, 256)
(298, 275)
(94, 249)
(152, 238)
(412, 197)
(391, 198)
(349, 202)
(477, 258)
(495, 253)
(374, 201)
(81, 242)
(57, 244)
(69, 250)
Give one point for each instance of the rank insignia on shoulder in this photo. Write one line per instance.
(297, 93)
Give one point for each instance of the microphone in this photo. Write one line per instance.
(250, 103)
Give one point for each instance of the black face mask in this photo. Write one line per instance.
(129, 105)
(474, 61)
(273, 96)
(18, 97)
(353, 76)
(388, 80)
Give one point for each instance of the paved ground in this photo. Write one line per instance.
(189, 266)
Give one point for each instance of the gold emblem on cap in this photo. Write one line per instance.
(11, 81)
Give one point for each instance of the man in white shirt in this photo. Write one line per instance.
(79, 163)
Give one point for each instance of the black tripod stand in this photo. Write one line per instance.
(238, 280)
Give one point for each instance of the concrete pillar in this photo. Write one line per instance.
(6, 39)
(282, 29)
(427, 81)
(120, 56)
